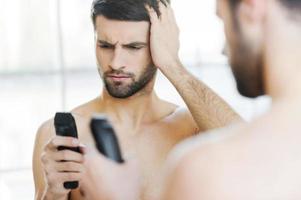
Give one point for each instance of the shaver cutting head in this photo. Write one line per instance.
(105, 138)
(65, 125)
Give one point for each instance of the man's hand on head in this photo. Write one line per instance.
(164, 36)
(105, 179)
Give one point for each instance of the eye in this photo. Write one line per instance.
(134, 47)
(105, 46)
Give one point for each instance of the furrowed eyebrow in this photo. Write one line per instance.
(105, 43)
(133, 44)
(140, 44)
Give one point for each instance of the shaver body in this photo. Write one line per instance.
(65, 126)
(105, 138)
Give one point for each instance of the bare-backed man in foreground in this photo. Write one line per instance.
(255, 161)
(260, 160)
(147, 126)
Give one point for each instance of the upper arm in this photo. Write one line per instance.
(42, 137)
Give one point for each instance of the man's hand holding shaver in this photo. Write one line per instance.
(61, 166)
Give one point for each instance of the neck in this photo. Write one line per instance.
(132, 111)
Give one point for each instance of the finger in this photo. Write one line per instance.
(172, 19)
(62, 141)
(49, 167)
(166, 3)
(67, 155)
(162, 9)
(71, 176)
(68, 167)
(45, 158)
(59, 178)
(152, 14)
(83, 148)
(170, 12)
(163, 2)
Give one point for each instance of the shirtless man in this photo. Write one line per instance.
(255, 161)
(147, 127)
(260, 160)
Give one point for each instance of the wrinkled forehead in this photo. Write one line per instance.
(121, 31)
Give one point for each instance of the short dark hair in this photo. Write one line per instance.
(290, 4)
(293, 8)
(123, 10)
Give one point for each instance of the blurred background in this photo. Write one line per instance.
(47, 64)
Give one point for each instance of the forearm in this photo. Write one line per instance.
(207, 108)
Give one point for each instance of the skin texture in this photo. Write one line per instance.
(146, 126)
(259, 160)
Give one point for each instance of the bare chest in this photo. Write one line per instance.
(149, 146)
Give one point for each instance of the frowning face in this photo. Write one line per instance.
(123, 56)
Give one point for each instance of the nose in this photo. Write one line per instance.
(118, 59)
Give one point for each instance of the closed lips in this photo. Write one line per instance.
(118, 76)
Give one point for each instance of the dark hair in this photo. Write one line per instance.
(124, 10)
(290, 4)
(293, 8)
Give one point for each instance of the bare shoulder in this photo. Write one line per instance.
(181, 119)
(87, 109)
(45, 132)
(240, 139)
(195, 163)
(237, 162)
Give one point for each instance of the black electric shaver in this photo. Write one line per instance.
(105, 138)
(65, 126)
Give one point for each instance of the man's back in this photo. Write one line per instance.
(256, 161)
(149, 143)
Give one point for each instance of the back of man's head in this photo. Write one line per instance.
(292, 5)
(123, 10)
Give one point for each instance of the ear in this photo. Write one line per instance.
(252, 11)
